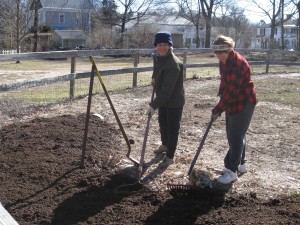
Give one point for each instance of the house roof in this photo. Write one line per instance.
(71, 34)
(164, 20)
(71, 4)
(269, 26)
(170, 23)
(288, 23)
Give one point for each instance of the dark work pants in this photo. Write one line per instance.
(236, 128)
(169, 124)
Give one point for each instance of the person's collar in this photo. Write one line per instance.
(231, 54)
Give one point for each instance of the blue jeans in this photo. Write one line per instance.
(236, 128)
(169, 124)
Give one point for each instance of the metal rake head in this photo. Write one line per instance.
(182, 187)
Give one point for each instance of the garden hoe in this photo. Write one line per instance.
(192, 187)
(128, 141)
(200, 147)
(141, 166)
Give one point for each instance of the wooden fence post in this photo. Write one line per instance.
(72, 82)
(135, 65)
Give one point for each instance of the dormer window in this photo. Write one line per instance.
(61, 18)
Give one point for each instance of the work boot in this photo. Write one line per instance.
(161, 149)
(167, 161)
(227, 177)
(242, 168)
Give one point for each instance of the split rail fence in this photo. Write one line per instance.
(261, 58)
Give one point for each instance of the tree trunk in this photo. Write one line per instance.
(207, 33)
(18, 28)
(36, 25)
(197, 36)
(122, 34)
(282, 27)
(298, 27)
(272, 34)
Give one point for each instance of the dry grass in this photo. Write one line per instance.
(108, 63)
(38, 69)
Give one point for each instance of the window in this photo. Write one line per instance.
(291, 30)
(61, 18)
(262, 31)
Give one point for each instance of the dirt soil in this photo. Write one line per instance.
(42, 181)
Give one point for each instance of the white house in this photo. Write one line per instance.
(183, 31)
(262, 39)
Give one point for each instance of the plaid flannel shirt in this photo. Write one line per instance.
(236, 87)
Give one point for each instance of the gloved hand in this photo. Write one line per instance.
(150, 111)
(153, 82)
(214, 117)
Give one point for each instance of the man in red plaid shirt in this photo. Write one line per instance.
(237, 100)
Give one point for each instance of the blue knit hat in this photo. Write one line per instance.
(163, 37)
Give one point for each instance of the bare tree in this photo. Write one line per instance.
(130, 10)
(142, 37)
(298, 23)
(296, 4)
(208, 8)
(282, 27)
(36, 6)
(13, 23)
(191, 10)
(198, 10)
(6, 28)
(232, 22)
(103, 20)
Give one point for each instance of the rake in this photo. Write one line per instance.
(188, 186)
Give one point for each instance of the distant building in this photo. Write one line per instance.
(262, 39)
(183, 31)
(70, 16)
(65, 14)
(69, 39)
